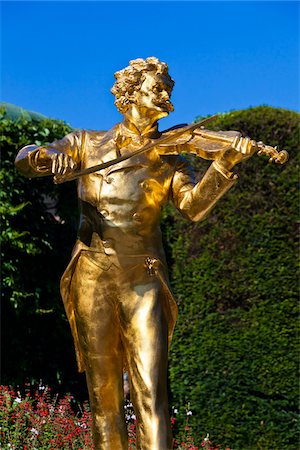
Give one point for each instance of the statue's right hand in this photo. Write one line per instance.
(62, 164)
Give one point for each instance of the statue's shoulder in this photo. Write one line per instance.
(92, 138)
(83, 134)
(97, 136)
(93, 134)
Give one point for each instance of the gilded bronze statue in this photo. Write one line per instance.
(115, 290)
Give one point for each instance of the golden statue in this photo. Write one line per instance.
(115, 290)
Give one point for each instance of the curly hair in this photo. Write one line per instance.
(130, 79)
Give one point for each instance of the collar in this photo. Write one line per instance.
(130, 130)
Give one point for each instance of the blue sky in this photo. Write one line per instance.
(58, 58)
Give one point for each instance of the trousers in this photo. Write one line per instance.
(121, 319)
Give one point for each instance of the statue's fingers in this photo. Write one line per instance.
(53, 164)
(60, 162)
(239, 145)
(68, 164)
(245, 146)
(65, 164)
(235, 142)
(72, 164)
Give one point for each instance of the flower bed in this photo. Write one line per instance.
(43, 421)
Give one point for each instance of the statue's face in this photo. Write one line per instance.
(154, 95)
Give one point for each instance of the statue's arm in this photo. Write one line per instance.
(60, 157)
(195, 200)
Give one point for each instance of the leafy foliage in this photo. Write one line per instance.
(234, 356)
(39, 222)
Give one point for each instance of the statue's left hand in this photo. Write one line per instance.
(62, 164)
(241, 149)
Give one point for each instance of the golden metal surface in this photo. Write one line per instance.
(115, 290)
(155, 143)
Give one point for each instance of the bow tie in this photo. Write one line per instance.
(123, 141)
(125, 136)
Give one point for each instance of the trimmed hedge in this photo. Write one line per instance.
(39, 226)
(235, 351)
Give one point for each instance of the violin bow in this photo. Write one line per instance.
(262, 149)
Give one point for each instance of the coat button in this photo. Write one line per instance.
(108, 243)
(137, 217)
(145, 186)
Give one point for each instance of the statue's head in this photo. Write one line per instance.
(145, 83)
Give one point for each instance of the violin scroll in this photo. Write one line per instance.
(273, 153)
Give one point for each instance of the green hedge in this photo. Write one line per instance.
(35, 249)
(235, 351)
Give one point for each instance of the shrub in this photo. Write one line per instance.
(39, 225)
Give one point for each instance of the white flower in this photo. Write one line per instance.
(128, 405)
(18, 400)
(133, 416)
(207, 438)
(34, 430)
(81, 425)
(175, 410)
(189, 413)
